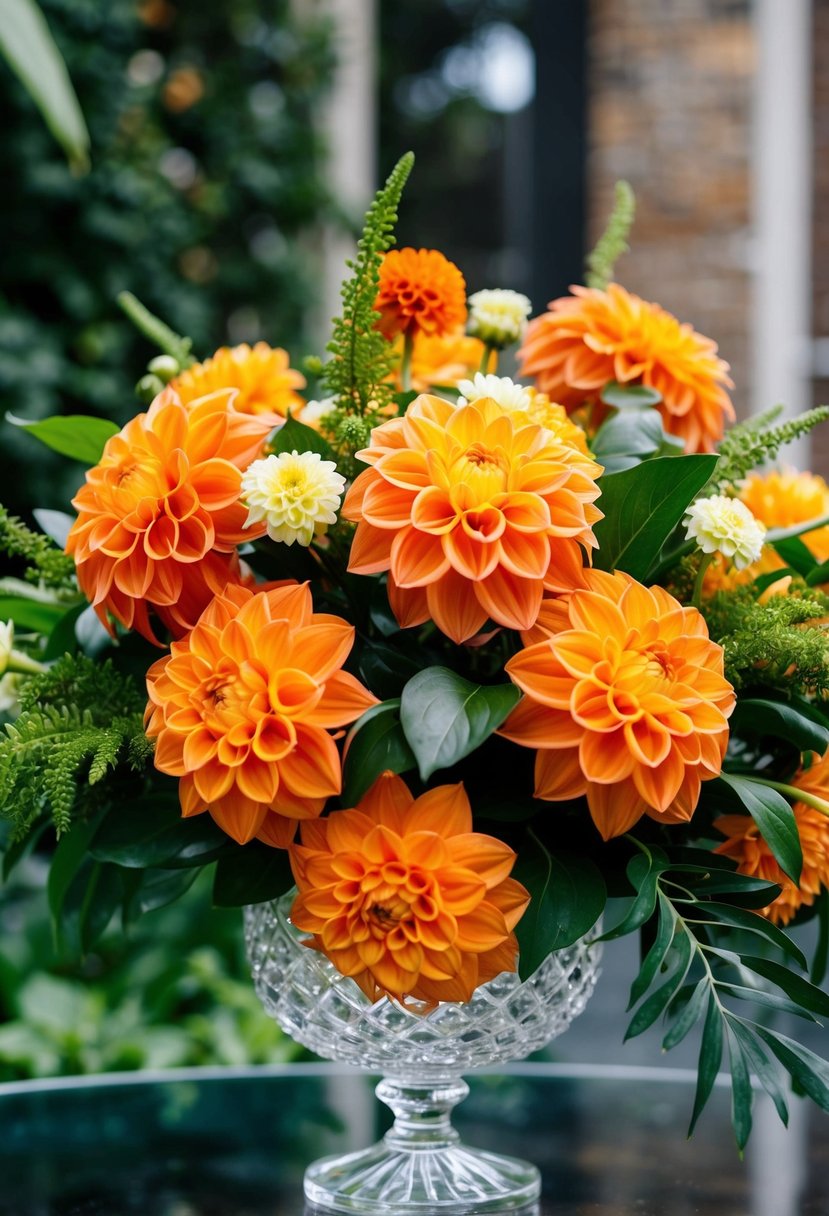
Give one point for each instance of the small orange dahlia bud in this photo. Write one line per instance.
(405, 898)
(421, 291)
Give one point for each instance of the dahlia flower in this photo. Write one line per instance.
(626, 703)
(266, 384)
(592, 337)
(725, 525)
(241, 709)
(421, 291)
(497, 316)
(295, 494)
(472, 513)
(403, 896)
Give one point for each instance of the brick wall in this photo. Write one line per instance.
(670, 110)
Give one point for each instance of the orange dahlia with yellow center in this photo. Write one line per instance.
(746, 846)
(473, 513)
(420, 291)
(626, 702)
(159, 517)
(262, 376)
(242, 706)
(405, 898)
(593, 336)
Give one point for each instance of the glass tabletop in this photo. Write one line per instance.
(225, 1142)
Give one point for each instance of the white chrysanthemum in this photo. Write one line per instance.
(725, 525)
(501, 389)
(313, 411)
(296, 494)
(498, 317)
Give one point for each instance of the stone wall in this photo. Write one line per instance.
(670, 110)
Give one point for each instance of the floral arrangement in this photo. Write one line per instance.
(458, 656)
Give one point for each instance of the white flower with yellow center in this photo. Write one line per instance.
(501, 389)
(313, 412)
(725, 525)
(497, 316)
(296, 494)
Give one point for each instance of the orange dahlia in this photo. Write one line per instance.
(746, 846)
(593, 336)
(473, 514)
(626, 703)
(265, 382)
(444, 360)
(159, 517)
(241, 709)
(421, 291)
(782, 499)
(403, 896)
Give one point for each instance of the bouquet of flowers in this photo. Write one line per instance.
(459, 657)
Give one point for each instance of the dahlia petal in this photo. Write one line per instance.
(484, 855)
(217, 483)
(595, 614)
(427, 849)
(444, 810)
(199, 748)
(615, 808)
(558, 775)
(405, 469)
(417, 558)
(387, 506)
(169, 753)
(387, 800)
(240, 817)
(481, 929)
(344, 699)
(578, 650)
(538, 673)
(313, 768)
(566, 571)
(468, 557)
(509, 600)
(213, 781)
(410, 605)
(512, 899)
(454, 606)
(432, 511)
(277, 831)
(539, 726)
(525, 555)
(648, 741)
(191, 801)
(257, 779)
(605, 758)
(660, 785)
(346, 832)
(320, 648)
(370, 550)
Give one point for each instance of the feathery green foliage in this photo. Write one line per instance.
(614, 240)
(768, 643)
(358, 374)
(45, 562)
(77, 716)
(750, 443)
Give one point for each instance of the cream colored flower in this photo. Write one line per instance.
(725, 525)
(6, 644)
(296, 494)
(500, 389)
(498, 317)
(313, 412)
(10, 693)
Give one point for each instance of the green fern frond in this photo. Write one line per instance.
(613, 241)
(750, 443)
(357, 375)
(45, 562)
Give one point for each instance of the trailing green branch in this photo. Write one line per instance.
(613, 241)
(45, 563)
(750, 443)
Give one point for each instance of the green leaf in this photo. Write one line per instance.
(156, 889)
(385, 669)
(656, 955)
(31, 614)
(567, 897)
(763, 581)
(151, 832)
(807, 995)
(680, 957)
(690, 1015)
(820, 574)
(710, 1056)
(72, 849)
(251, 874)
(796, 555)
(745, 891)
(777, 719)
(769, 1000)
(749, 922)
(624, 440)
(818, 973)
(809, 1070)
(30, 50)
(78, 436)
(629, 396)
(445, 717)
(375, 743)
(775, 819)
(643, 872)
(760, 1065)
(642, 506)
(742, 1095)
(295, 436)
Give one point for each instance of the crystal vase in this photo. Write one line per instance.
(419, 1166)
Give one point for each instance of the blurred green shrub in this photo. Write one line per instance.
(177, 993)
(205, 182)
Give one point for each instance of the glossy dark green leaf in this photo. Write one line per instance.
(796, 555)
(152, 833)
(679, 960)
(625, 439)
(818, 575)
(251, 874)
(775, 819)
(749, 922)
(744, 890)
(802, 992)
(768, 1000)
(63, 638)
(386, 669)
(781, 720)
(30, 613)
(689, 1016)
(763, 581)
(642, 507)
(766, 1072)
(567, 896)
(72, 849)
(643, 872)
(808, 1069)
(655, 957)
(157, 889)
(294, 436)
(79, 436)
(710, 1056)
(630, 396)
(445, 717)
(742, 1095)
(375, 743)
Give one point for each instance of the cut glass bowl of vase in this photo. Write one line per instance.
(419, 1166)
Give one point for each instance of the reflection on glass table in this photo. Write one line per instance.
(225, 1142)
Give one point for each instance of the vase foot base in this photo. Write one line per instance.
(453, 1180)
